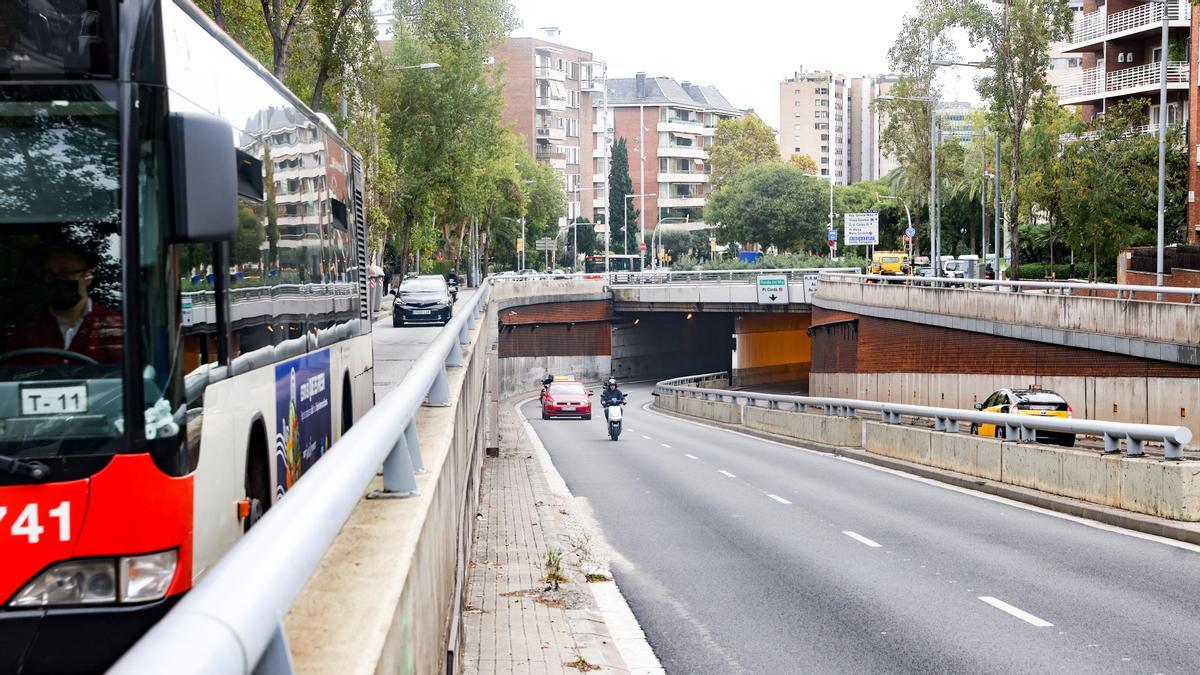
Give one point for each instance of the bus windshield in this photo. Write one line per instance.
(61, 329)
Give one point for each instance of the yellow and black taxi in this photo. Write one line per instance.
(1031, 401)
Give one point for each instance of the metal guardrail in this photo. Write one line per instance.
(231, 622)
(1122, 291)
(1016, 427)
(741, 276)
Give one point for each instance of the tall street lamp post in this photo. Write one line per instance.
(625, 222)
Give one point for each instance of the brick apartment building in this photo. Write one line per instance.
(550, 96)
(668, 127)
(1120, 45)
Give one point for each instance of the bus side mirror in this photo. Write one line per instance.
(204, 177)
(979, 406)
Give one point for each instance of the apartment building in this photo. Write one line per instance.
(1120, 46)
(668, 127)
(1065, 67)
(1120, 43)
(832, 118)
(550, 94)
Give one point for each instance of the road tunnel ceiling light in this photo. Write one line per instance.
(636, 321)
(689, 316)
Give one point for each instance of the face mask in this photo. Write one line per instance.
(62, 294)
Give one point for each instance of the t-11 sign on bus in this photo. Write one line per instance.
(862, 229)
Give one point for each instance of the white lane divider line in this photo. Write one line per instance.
(779, 499)
(690, 456)
(645, 437)
(726, 473)
(1016, 611)
(861, 539)
(665, 445)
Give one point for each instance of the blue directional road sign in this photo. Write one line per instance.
(912, 232)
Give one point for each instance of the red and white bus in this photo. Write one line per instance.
(184, 329)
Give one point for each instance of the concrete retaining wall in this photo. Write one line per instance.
(1139, 400)
(525, 373)
(1167, 331)
(385, 598)
(1157, 488)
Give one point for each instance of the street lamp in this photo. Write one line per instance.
(575, 224)
(996, 188)
(607, 149)
(934, 240)
(1162, 143)
(907, 214)
(625, 220)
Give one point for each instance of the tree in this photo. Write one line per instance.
(805, 163)
(738, 144)
(924, 37)
(1109, 185)
(585, 230)
(345, 31)
(771, 204)
(619, 186)
(1017, 36)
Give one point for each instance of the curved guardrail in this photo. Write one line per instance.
(1122, 291)
(231, 622)
(1017, 427)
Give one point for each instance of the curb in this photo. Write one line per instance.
(1128, 520)
(621, 632)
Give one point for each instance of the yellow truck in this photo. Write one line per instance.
(890, 263)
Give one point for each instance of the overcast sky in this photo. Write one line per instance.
(743, 47)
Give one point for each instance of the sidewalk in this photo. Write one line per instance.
(513, 621)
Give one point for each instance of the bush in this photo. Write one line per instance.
(768, 262)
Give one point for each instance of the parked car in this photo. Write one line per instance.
(566, 398)
(423, 299)
(1031, 401)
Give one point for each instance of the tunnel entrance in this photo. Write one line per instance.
(771, 349)
(671, 344)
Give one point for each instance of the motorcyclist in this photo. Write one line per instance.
(546, 382)
(612, 395)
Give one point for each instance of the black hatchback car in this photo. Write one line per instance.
(424, 299)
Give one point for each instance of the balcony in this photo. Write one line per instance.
(1089, 32)
(550, 103)
(681, 126)
(681, 202)
(690, 151)
(550, 133)
(1141, 129)
(548, 73)
(1094, 83)
(683, 177)
(592, 85)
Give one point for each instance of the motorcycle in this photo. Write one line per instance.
(613, 413)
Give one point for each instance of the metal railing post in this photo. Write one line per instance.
(277, 659)
(414, 446)
(1112, 444)
(1134, 447)
(399, 476)
(439, 391)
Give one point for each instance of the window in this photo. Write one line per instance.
(798, 150)
(573, 128)
(824, 160)
(822, 114)
(822, 125)
(824, 148)
(1155, 55)
(822, 103)
(799, 103)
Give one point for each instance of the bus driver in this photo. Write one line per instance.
(69, 318)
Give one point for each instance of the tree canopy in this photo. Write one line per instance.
(739, 143)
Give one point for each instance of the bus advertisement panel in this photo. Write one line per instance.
(303, 419)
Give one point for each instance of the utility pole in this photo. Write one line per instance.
(1162, 147)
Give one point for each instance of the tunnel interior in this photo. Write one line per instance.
(759, 349)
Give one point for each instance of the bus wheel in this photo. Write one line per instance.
(258, 477)
(347, 407)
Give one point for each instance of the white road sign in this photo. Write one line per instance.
(862, 229)
(772, 289)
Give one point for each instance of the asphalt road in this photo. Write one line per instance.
(395, 349)
(741, 555)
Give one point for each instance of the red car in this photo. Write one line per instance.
(567, 399)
